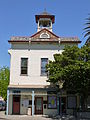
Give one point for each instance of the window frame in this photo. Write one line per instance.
(50, 104)
(72, 97)
(41, 67)
(47, 35)
(24, 74)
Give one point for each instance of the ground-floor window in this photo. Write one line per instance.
(52, 102)
(71, 102)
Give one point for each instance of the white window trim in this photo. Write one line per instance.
(48, 36)
(40, 66)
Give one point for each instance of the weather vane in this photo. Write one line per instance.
(45, 9)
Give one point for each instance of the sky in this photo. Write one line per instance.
(17, 18)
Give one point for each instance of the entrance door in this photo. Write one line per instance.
(16, 104)
(62, 105)
(38, 105)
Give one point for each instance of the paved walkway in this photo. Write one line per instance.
(27, 117)
(35, 117)
(22, 117)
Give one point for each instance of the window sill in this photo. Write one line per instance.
(23, 74)
(43, 75)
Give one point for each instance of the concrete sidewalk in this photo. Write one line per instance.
(35, 117)
(22, 117)
(27, 117)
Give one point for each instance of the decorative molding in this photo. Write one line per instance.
(44, 35)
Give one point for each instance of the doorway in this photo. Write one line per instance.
(62, 105)
(38, 105)
(16, 104)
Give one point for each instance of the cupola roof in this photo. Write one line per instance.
(45, 14)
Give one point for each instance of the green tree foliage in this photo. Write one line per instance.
(73, 68)
(4, 81)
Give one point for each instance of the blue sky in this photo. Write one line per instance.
(17, 18)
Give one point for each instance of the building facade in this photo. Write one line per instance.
(28, 91)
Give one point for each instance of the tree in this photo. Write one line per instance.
(87, 30)
(72, 67)
(4, 81)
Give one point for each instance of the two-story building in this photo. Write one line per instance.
(28, 87)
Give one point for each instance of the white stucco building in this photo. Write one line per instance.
(28, 88)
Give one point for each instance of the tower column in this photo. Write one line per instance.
(7, 102)
(32, 103)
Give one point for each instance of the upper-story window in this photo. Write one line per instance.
(44, 61)
(24, 66)
(44, 35)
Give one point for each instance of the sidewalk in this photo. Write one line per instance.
(22, 117)
(35, 117)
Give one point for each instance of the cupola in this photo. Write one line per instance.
(44, 20)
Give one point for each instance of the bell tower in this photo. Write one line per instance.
(44, 20)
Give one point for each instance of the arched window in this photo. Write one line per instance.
(44, 35)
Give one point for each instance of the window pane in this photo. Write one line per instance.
(71, 102)
(39, 104)
(44, 61)
(24, 63)
(52, 102)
